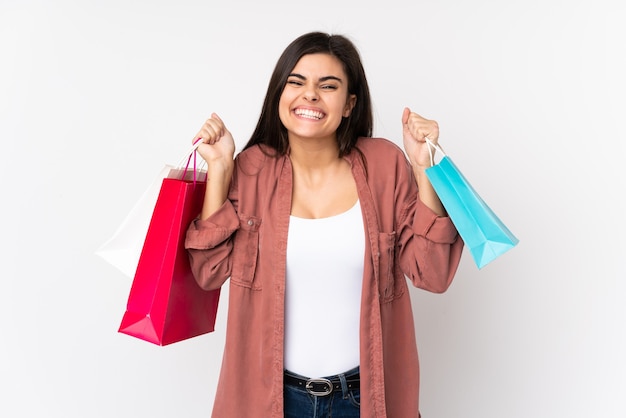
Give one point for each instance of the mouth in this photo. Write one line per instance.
(309, 114)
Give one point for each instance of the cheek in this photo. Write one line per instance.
(283, 110)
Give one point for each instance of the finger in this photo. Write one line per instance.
(220, 122)
(206, 132)
(433, 131)
(414, 126)
(422, 128)
(215, 116)
(213, 129)
(197, 137)
(405, 115)
(212, 123)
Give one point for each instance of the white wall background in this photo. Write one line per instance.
(96, 96)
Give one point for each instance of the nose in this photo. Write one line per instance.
(311, 95)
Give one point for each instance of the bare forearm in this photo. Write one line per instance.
(426, 192)
(217, 185)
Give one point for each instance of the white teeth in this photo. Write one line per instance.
(311, 114)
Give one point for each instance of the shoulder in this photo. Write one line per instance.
(252, 160)
(382, 160)
(380, 149)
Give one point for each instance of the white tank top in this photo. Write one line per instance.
(323, 293)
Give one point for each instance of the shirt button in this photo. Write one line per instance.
(250, 222)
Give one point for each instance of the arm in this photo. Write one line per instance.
(209, 243)
(217, 149)
(208, 239)
(414, 131)
(429, 246)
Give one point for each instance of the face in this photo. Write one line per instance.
(315, 98)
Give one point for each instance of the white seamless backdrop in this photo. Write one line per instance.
(96, 96)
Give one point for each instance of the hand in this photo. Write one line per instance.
(415, 130)
(217, 145)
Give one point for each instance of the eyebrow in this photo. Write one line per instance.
(322, 79)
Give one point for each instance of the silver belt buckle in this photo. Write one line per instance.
(319, 387)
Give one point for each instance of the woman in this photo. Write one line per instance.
(317, 224)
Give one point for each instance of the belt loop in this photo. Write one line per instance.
(344, 385)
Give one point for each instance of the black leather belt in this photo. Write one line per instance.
(322, 386)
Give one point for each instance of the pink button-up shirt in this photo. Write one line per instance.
(246, 240)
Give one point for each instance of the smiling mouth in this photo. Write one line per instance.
(309, 114)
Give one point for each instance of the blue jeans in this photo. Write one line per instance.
(339, 404)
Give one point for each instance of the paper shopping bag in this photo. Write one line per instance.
(165, 304)
(123, 248)
(483, 232)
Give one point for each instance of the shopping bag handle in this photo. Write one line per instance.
(192, 153)
(437, 147)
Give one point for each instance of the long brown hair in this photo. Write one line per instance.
(270, 130)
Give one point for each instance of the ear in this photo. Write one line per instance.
(350, 103)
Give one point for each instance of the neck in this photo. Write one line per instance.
(314, 155)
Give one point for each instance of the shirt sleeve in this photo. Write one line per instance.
(209, 245)
(429, 225)
(429, 247)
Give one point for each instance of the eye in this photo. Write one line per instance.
(328, 87)
(294, 82)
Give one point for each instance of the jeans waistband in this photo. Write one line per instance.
(324, 386)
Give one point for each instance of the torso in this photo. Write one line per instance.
(324, 266)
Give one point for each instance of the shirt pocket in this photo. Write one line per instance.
(246, 252)
(392, 281)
